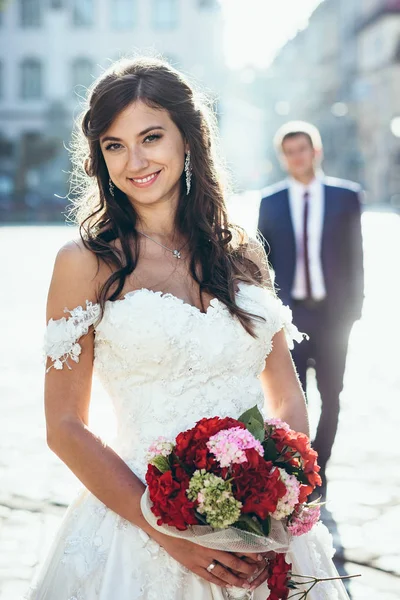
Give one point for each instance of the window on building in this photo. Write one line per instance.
(83, 13)
(30, 13)
(82, 73)
(31, 79)
(123, 13)
(165, 14)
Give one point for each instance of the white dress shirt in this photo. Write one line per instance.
(314, 230)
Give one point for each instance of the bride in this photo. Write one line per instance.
(174, 309)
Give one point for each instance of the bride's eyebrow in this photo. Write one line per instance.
(150, 129)
(109, 138)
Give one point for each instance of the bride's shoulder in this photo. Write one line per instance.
(75, 278)
(75, 255)
(71, 305)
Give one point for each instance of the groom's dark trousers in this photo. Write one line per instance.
(327, 322)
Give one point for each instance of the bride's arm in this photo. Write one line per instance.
(281, 386)
(67, 397)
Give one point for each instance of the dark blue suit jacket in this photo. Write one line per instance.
(341, 245)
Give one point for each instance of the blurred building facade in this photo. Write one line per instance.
(51, 51)
(342, 73)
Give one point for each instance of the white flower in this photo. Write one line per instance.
(286, 504)
(58, 364)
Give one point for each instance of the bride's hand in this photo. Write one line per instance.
(229, 569)
(262, 570)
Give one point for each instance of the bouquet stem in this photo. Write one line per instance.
(303, 594)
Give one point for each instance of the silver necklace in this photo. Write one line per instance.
(176, 252)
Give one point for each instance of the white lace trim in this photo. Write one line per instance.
(277, 315)
(62, 335)
(291, 332)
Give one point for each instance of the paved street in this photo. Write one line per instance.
(363, 510)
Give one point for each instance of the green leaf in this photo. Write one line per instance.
(247, 523)
(270, 451)
(297, 472)
(254, 422)
(161, 463)
(302, 478)
(201, 517)
(266, 526)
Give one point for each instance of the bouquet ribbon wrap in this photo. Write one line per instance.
(231, 539)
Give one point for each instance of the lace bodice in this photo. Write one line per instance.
(165, 364)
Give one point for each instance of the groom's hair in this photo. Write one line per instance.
(294, 129)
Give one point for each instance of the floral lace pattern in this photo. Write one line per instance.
(62, 335)
(164, 365)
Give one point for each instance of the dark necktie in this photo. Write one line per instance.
(306, 209)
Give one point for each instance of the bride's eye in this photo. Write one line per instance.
(113, 146)
(152, 137)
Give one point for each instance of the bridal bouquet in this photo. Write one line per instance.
(238, 485)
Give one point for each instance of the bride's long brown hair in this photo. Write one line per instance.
(218, 249)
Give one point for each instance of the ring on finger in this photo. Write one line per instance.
(211, 566)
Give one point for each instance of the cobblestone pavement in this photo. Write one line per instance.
(363, 509)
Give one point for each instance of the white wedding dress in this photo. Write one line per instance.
(165, 365)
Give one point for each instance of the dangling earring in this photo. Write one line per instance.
(188, 172)
(111, 187)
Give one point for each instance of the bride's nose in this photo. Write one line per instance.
(136, 161)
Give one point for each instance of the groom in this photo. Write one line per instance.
(312, 230)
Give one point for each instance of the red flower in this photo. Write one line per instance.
(168, 490)
(168, 495)
(191, 445)
(278, 577)
(296, 442)
(257, 485)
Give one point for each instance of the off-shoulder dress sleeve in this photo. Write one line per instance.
(277, 316)
(62, 335)
(281, 318)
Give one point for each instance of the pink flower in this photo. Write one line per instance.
(229, 445)
(305, 518)
(160, 447)
(278, 423)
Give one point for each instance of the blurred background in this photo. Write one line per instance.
(335, 63)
